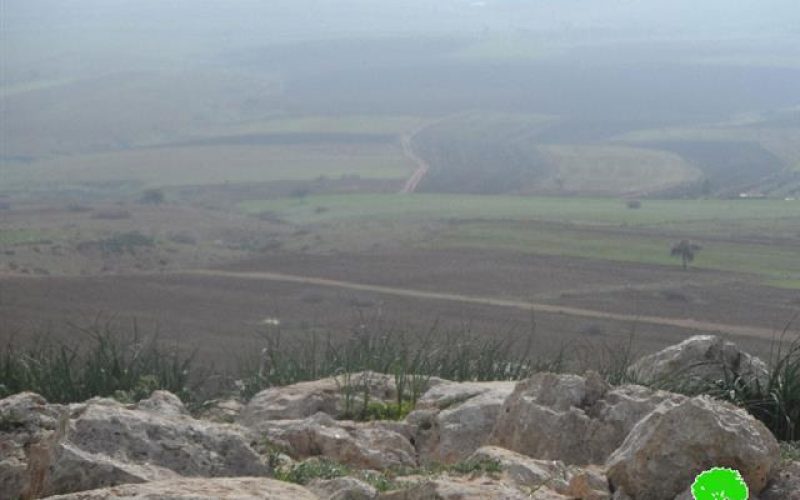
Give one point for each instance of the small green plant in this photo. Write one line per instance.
(790, 451)
(378, 410)
(378, 480)
(482, 466)
(316, 468)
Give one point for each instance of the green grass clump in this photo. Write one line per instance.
(379, 410)
(304, 472)
(104, 363)
(412, 359)
(125, 242)
(790, 451)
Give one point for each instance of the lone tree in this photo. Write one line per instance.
(686, 250)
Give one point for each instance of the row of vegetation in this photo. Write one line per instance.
(128, 366)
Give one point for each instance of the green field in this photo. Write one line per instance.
(778, 264)
(203, 165)
(587, 211)
(754, 236)
(353, 124)
(22, 236)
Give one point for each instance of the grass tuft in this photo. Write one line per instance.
(104, 363)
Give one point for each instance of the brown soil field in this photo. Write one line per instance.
(606, 286)
(223, 314)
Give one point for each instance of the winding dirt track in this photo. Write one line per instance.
(689, 324)
(422, 166)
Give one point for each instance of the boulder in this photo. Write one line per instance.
(446, 394)
(368, 445)
(587, 483)
(342, 488)
(457, 419)
(524, 471)
(329, 395)
(785, 485)
(248, 488)
(221, 411)
(163, 403)
(29, 429)
(578, 420)
(667, 449)
(699, 361)
(56, 449)
(465, 488)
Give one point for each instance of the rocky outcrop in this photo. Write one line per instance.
(785, 485)
(525, 473)
(163, 403)
(221, 411)
(453, 420)
(330, 395)
(699, 361)
(29, 430)
(55, 449)
(199, 489)
(342, 488)
(461, 488)
(578, 420)
(552, 436)
(370, 445)
(675, 443)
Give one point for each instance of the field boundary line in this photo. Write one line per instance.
(689, 324)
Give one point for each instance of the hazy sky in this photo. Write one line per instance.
(319, 18)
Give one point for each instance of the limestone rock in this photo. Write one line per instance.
(53, 449)
(370, 445)
(445, 394)
(163, 403)
(342, 488)
(326, 395)
(524, 471)
(463, 488)
(221, 411)
(453, 420)
(667, 449)
(589, 483)
(578, 420)
(29, 427)
(700, 360)
(248, 488)
(785, 485)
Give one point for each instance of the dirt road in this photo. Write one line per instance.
(422, 166)
(688, 324)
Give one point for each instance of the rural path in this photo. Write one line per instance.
(422, 166)
(408, 150)
(689, 324)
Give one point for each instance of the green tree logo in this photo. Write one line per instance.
(720, 484)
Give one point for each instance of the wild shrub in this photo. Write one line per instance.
(104, 362)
